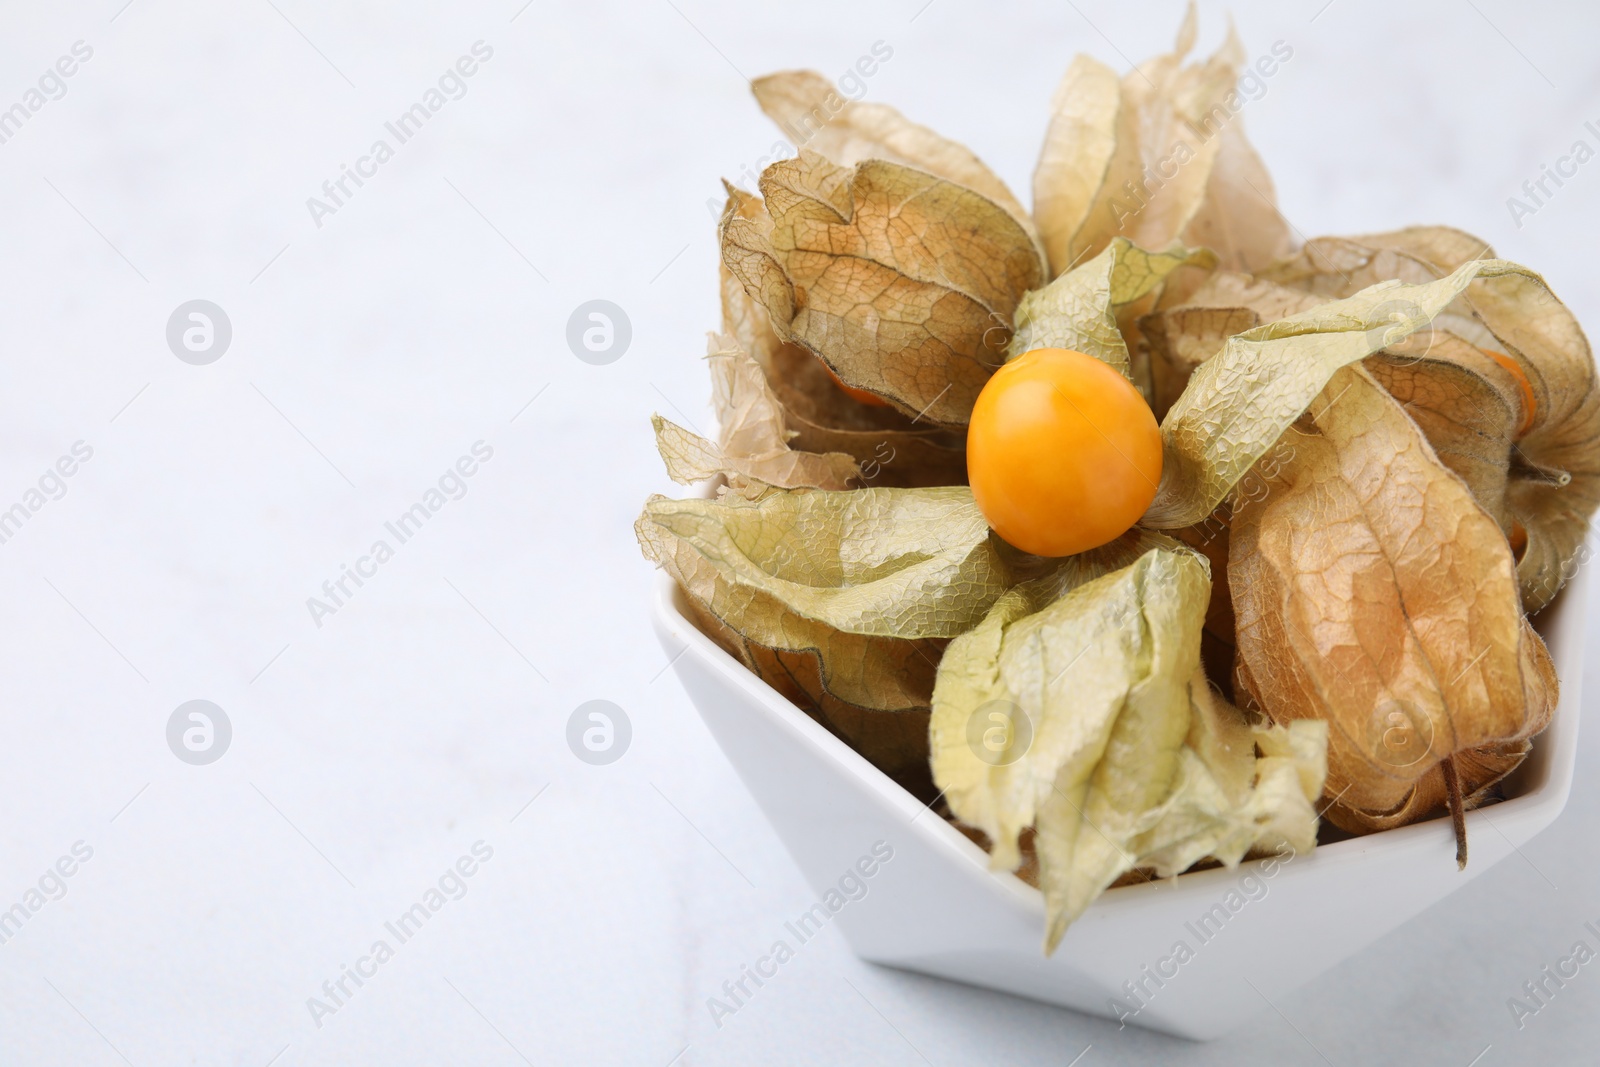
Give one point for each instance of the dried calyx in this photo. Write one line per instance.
(1380, 454)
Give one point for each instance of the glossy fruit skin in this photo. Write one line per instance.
(1063, 453)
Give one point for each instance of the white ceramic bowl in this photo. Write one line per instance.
(935, 907)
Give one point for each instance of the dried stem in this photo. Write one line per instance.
(1458, 814)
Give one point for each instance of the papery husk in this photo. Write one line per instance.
(1552, 486)
(1079, 310)
(867, 581)
(901, 281)
(1341, 444)
(811, 113)
(1462, 406)
(1106, 139)
(753, 441)
(1464, 401)
(1078, 147)
(896, 742)
(1372, 591)
(1132, 762)
(1218, 646)
(1238, 403)
(1268, 299)
(1180, 339)
(890, 448)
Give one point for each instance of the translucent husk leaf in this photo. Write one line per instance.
(1444, 246)
(1552, 485)
(888, 453)
(1077, 150)
(1464, 401)
(1165, 161)
(1129, 764)
(1331, 268)
(896, 742)
(1239, 402)
(901, 281)
(1369, 572)
(889, 447)
(1210, 539)
(1078, 311)
(1373, 592)
(1554, 482)
(1467, 418)
(1268, 299)
(1239, 217)
(866, 580)
(1227, 800)
(1180, 339)
(753, 442)
(811, 113)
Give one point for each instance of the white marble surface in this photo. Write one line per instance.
(423, 716)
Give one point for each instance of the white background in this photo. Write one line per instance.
(424, 715)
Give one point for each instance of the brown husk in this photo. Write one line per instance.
(1371, 590)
